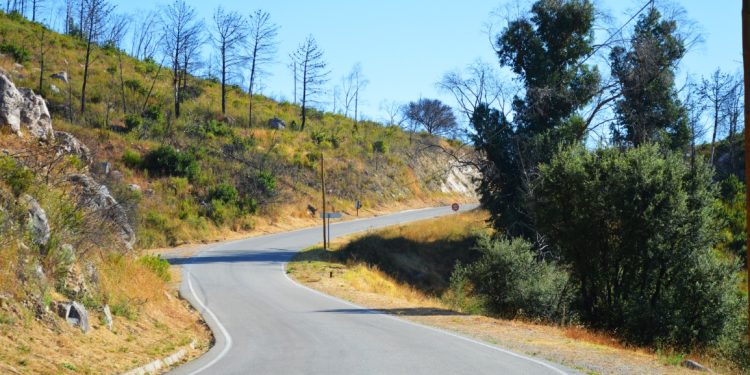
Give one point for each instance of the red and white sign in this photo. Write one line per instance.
(454, 207)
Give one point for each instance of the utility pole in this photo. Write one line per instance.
(323, 193)
(746, 68)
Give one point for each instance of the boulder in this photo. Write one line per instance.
(38, 222)
(276, 123)
(75, 314)
(96, 197)
(35, 116)
(21, 109)
(63, 76)
(11, 102)
(103, 168)
(69, 144)
(107, 317)
(134, 188)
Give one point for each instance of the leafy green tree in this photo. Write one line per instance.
(547, 50)
(649, 109)
(637, 229)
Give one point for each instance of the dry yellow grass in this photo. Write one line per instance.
(150, 322)
(576, 347)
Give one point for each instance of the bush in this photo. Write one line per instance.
(132, 159)
(16, 176)
(166, 161)
(267, 182)
(158, 265)
(513, 283)
(380, 147)
(637, 228)
(20, 54)
(133, 121)
(223, 192)
(153, 113)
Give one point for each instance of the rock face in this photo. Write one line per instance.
(75, 314)
(97, 197)
(24, 110)
(38, 222)
(67, 143)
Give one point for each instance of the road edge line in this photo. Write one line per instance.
(208, 312)
(435, 329)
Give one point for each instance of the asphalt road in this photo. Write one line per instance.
(265, 323)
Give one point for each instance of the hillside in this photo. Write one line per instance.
(205, 175)
(83, 194)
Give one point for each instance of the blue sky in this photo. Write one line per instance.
(406, 46)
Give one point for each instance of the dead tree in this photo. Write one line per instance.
(145, 40)
(261, 51)
(181, 28)
(96, 15)
(312, 67)
(715, 91)
(229, 35)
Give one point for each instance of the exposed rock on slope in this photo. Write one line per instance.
(23, 110)
(38, 222)
(69, 144)
(96, 197)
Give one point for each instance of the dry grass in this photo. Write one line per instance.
(576, 347)
(150, 322)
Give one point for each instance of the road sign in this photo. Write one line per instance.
(358, 204)
(331, 215)
(454, 207)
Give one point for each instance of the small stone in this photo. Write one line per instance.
(693, 365)
(54, 89)
(134, 187)
(63, 76)
(107, 317)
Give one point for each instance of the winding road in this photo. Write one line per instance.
(265, 323)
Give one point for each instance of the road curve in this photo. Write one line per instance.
(265, 323)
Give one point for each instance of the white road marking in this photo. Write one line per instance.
(508, 352)
(223, 330)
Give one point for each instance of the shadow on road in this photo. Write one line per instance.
(237, 256)
(417, 311)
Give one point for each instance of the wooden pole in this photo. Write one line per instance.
(746, 70)
(323, 191)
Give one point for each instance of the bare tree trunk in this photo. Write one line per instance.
(223, 79)
(122, 84)
(716, 126)
(85, 74)
(746, 66)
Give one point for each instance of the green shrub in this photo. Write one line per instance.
(158, 265)
(212, 128)
(132, 159)
(20, 54)
(223, 192)
(166, 161)
(380, 147)
(16, 176)
(637, 228)
(153, 113)
(512, 282)
(133, 121)
(267, 182)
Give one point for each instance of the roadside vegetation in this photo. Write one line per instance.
(640, 235)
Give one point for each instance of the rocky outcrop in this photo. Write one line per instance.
(75, 314)
(107, 315)
(96, 197)
(38, 223)
(68, 144)
(22, 110)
